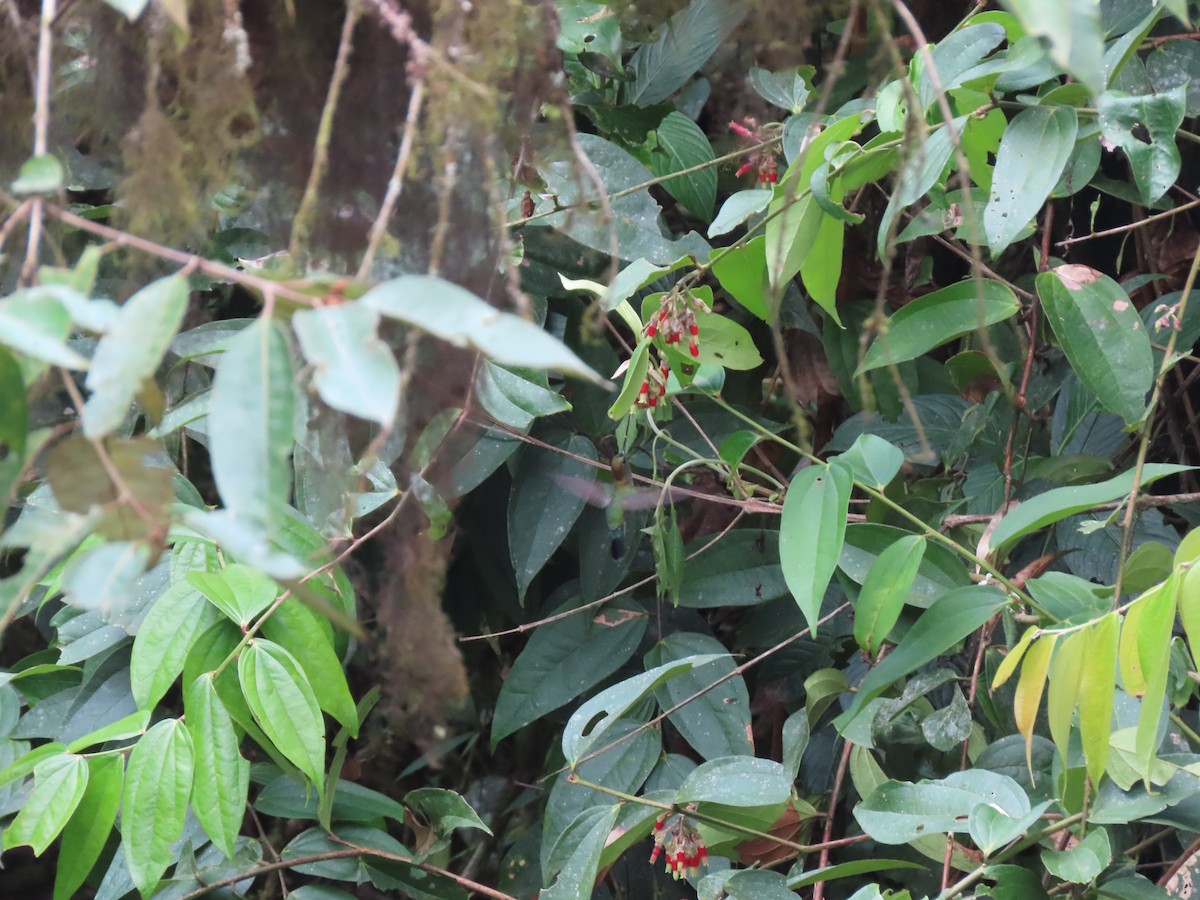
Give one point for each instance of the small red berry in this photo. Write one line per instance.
(694, 349)
(651, 330)
(694, 329)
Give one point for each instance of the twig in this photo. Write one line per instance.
(302, 225)
(396, 182)
(41, 129)
(823, 859)
(1129, 226)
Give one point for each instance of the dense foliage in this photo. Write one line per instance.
(335, 566)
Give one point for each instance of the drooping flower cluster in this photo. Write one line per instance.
(675, 318)
(763, 160)
(681, 844)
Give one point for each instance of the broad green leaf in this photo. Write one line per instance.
(794, 218)
(898, 812)
(158, 783)
(299, 631)
(1083, 862)
(1128, 661)
(811, 532)
(27, 762)
(58, 785)
(847, 870)
(35, 324)
(939, 573)
(683, 145)
(736, 781)
(562, 660)
(1073, 30)
(1096, 694)
(39, 175)
(458, 317)
(874, 461)
(1102, 335)
(85, 836)
(723, 342)
(577, 877)
(681, 47)
(166, 636)
(132, 725)
(742, 271)
(796, 733)
(737, 208)
(717, 723)
(1154, 653)
(954, 57)
(822, 267)
(1189, 604)
(992, 828)
(885, 592)
(787, 89)
(284, 706)
(938, 318)
(742, 569)
(590, 722)
(1144, 127)
(745, 884)
(355, 370)
(250, 424)
(1030, 686)
(1173, 64)
(1065, 671)
(1060, 503)
(923, 167)
(548, 493)
(222, 780)
(131, 352)
(238, 591)
(1033, 154)
(635, 374)
(948, 621)
(444, 810)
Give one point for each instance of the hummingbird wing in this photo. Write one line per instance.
(595, 493)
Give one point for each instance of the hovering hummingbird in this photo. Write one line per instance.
(615, 499)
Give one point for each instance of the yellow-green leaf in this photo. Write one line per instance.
(1064, 689)
(1009, 664)
(1096, 687)
(1029, 691)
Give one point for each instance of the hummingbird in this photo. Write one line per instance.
(615, 499)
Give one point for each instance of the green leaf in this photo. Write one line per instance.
(742, 271)
(124, 728)
(250, 424)
(873, 461)
(885, 592)
(736, 781)
(131, 352)
(1065, 671)
(355, 370)
(1102, 336)
(238, 591)
(35, 324)
(745, 884)
(1096, 696)
(284, 706)
(939, 573)
(1030, 686)
(898, 812)
(922, 169)
(794, 218)
(796, 733)
(1073, 30)
(542, 505)
(822, 267)
(938, 318)
(1083, 862)
(13, 423)
(723, 342)
(717, 723)
(742, 569)
(1144, 127)
(310, 641)
(59, 784)
(562, 660)
(39, 175)
(444, 810)
(682, 46)
(85, 836)
(635, 374)
(222, 781)
(26, 763)
(948, 621)
(458, 317)
(590, 722)
(954, 57)
(1033, 154)
(577, 877)
(787, 89)
(847, 870)
(158, 783)
(811, 532)
(684, 145)
(1154, 653)
(736, 209)
(1059, 503)
(166, 636)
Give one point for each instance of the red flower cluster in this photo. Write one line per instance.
(655, 384)
(683, 845)
(676, 316)
(763, 160)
